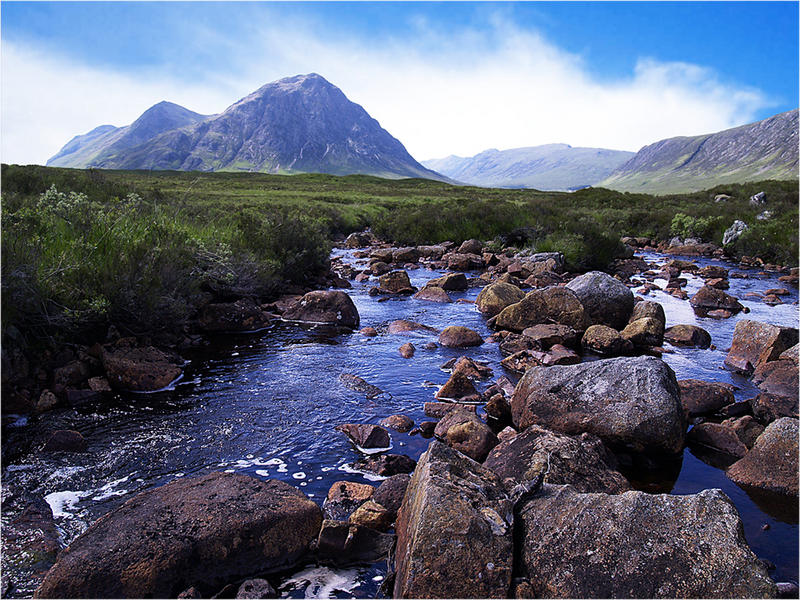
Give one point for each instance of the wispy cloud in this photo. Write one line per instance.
(438, 92)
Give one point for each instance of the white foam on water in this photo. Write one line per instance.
(322, 582)
(108, 491)
(377, 578)
(273, 461)
(12, 468)
(230, 471)
(373, 450)
(62, 502)
(299, 475)
(262, 472)
(365, 474)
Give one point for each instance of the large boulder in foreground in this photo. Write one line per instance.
(495, 297)
(772, 463)
(325, 307)
(580, 460)
(453, 536)
(201, 532)
(755, 343)
(549, 305)
(637, 545)
(139, 369)
(631, 403)
(606, 300)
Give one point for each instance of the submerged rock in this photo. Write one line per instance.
(327, 307)
(202, 532)
(366, 436)
(65, 440)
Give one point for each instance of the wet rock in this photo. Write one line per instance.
(644, 332)
(457, 336)
(720, 437)
(395, 282)
(457, 387)
(713, 272)
(256, 589)
(787, 589)
(98, 384)
(755, 343)
(580, 460)
(344, 544)
(468, 367)
(437, 410)
(605, 341)
(30, 540)
(344, 497)
(495, 297)
(359, 384)
(401, 423)
(452, 282)
(708, 299)
(454, 531)
(559, 355)
(405, 255)
(431, 252)
(385, 465)
(648, 308)
(329, 307)
(462, 262)
(65, 440)
(626, 402)
(746, 428)
(465, 432)
(426, 429)
(777, 377)
(382, 254)
(372, 515)
(365, 436)
(546, 335)
(549, 305)
(688, 336)
(506, 434)
(407, 350)
(471, 247)
(514, 342)
(720, 284)
(499, 409)
(70, 375)
(403, 326)
(369, 332)
(47, 401)
(391, 491)
(433, 294)
(606, 300)
(201, 531)
(242, 315)
(79, 397)
(577, 545)
(770, 407)
(702, 397)
(521, 361)
(379, 268)
(772, 462)
(139, 369)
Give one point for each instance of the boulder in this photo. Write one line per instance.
(606, 300)
(372, 515)
(471, 247)
(203, 532)
(358, 240)
(382, 254)
(401, 423)
(343, 544)
(365, 436)
(644, 332)
(407, 350)
(369, 332)
(65, 440)
(431, 252)
(433, 294)
(73, 373)
(385, 465)
(777, 377)
(746, 428)
(605, 341)
(499, 409)
(648, 308)
(581, 460)
(702, 397)
(458, 386)
(30, 540)
(688, 336)
(771, 407)
(395, 282)
(359, 384)
(627, 402)
(391, 491)
(713, 272)
(457, 261)
(720, 437)
(437, 410)
(758, 199)
(497, 296)
(379, 268)
(344, 497)
(708, 299)
(546, 335)
(453, 282)
(405, 255)
(457, 336)
(404, 326)
(548, 305)
(327, 307)
(755, 343)
(140, 369)
(242, 315)
(636, 545)
(454, 530)
(468, 367)
(464, 431)
(256, 589)
(514, 342)
(772, 463)
(792, 354)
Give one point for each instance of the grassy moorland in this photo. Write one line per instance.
(82, 249)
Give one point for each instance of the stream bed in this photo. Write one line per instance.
(266, 405)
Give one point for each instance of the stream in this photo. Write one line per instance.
(266, 405)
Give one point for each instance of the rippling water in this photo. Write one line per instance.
(267, 404)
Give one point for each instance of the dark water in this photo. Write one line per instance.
(267, 404)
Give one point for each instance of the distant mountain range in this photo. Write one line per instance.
(299, 124)
(763, 150)
(548, 167)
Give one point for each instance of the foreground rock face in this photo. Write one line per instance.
(632, 403)
(637, 545)
(328, 307)
(580, 460)
(139, 369)
(454, 535)
(755, 343)
(201, 532)
(772, 463)
(605, 300)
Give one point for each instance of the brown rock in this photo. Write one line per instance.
(708, 299)
(47, 401)
(379, 268)
(201, 531)
(701, 397)
(713, 271)
(456, 336)
(548, 334)
(65, 440)
(342, 544)
(365, 436)
(99, 384)
(139, 369)
(506, 434)
(454, 282)
(688, 335)
(344, 497)
(369, 332)
(405, 255)
(453, 540)
(395, 282)
(458, 386)
(497, 296)
(70, 375)
(437, 410)
(720, 437)
(407, 350)
(256, 589)
(464, 431)
(328, 307)
(646, 331)
(457, 261)
(372, 515)
(401, 423)
(648, 308)
(792, 354)
(720, 284)
(403, 326)
(499, 409)
(391, 491)
(755, 343)
(746, 428)
(472, 246)
(470, 368)
(433, 294)
(549, 305)
(772, 463)
(30, 542)
(580, 460)
(771, 407)
(514, 342)
(385, 465)
(777, 377)
(242, 315)
(605, 341)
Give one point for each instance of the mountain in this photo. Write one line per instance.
(763, 150)
(548, 167)
(106, 142)
(295, 125)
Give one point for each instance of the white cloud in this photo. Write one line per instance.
(438, 93)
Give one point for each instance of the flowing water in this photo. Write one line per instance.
(266, 405)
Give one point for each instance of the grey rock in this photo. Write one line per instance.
(606, 300)
(734, 232)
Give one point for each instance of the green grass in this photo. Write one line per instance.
(139, 249)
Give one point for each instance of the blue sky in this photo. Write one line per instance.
(444, 78)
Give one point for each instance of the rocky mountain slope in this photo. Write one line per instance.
(548, 167)
(294, 125)
(763, 150)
